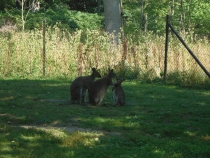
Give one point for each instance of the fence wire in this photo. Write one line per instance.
(183, 66)
(188, 57)
(73, 54)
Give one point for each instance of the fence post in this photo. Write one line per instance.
(166, 48)
(44, 47)
(80, 60)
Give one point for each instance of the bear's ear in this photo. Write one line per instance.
(93, 69)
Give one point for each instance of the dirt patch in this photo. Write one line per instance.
(69, 129)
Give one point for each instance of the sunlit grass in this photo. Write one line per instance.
(206, 137)
(192, 134)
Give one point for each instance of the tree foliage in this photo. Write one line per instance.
(139, 15)
(59, 15)
(186, 15)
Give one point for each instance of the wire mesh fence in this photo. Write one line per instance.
(190, 61)
(72, 54)
(183, 67)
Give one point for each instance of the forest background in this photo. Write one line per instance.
(142, 53)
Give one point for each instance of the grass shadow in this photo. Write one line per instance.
(159, 121)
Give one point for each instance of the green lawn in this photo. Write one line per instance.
(158, 121)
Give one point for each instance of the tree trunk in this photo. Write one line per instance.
(113, 19)
(99, 7)
(182, 16)
(146, 23)
(22, 16)
(172, 8)
(142, 15)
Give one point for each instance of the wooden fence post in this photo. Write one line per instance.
(44, 47)
(166, 48)
(80, 59)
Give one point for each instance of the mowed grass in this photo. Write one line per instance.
(158, 121)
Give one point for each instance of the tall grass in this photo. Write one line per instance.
(73, 54)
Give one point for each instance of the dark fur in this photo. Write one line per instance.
(80, 85)
(119, 94)
(99, 88)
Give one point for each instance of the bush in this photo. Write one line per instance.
(67, 19)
